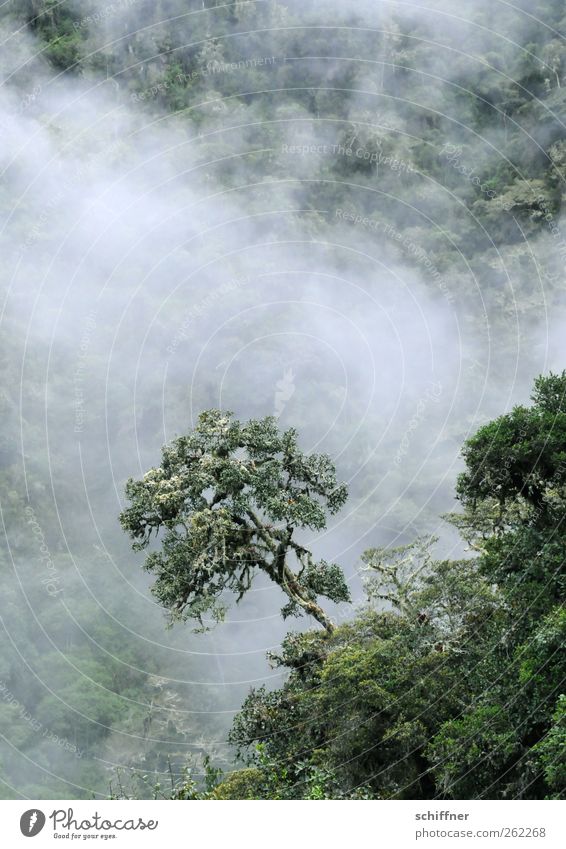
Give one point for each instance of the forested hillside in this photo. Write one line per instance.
(348, 217)
(455, 690)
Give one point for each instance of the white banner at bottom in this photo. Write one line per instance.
(293, 825)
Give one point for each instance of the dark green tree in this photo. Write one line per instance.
(520, 458)
(456, 689)
(513, 492)
(229, 498)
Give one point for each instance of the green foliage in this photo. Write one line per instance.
(55, 23)
(521, 456)
(243, 784)
(188, 787)
(451, 692)
(542, 665)
(230, 497)
(468, 755)
(551, 751)
(364, 705)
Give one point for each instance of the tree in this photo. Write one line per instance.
(361, 707)
(455, 689)
(520, 458)
(230, 497)
(551, 751)
(513, 491)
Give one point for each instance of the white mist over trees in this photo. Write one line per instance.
(349, 218)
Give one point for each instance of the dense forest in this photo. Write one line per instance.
(344, 224)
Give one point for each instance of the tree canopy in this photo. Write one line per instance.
(449, 682)
(229, 498)
(520, 458)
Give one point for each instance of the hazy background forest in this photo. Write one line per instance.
(347, 216)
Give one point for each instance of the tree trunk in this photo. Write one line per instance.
(297, 594)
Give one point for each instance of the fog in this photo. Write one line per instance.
(158, 263)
